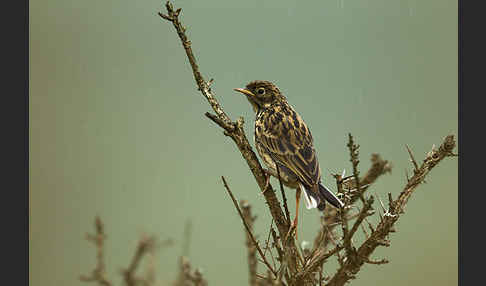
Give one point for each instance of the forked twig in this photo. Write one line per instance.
(99, 273)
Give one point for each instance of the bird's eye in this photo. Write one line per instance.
(261, 91)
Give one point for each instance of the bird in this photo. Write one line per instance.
(284, 141)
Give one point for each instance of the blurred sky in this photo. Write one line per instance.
(117, 127)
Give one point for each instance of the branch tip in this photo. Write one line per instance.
(412, 159)
(168, 18)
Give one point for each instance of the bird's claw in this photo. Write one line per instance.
(292, 227)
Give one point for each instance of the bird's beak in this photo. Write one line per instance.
(245, 91)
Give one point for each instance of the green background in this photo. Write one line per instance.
(117, 126)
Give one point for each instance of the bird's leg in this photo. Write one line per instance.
(297, 201)
(296, 219)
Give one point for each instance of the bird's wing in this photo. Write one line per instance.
(289, 142)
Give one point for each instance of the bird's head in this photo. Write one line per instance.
(261, 94)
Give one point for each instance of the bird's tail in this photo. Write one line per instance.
(318, 199)
(327, 195)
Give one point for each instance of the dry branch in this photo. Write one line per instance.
(187, 238)
(379, 235)
(248, 228)
(233, 129)
(99, 273)
(236, 132)
(354, 153)
(146, 246)
(187, 276)
(331, 218)
(284, 198)
(251, 249)
(293, 268)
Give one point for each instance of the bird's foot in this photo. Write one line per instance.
(292, 227)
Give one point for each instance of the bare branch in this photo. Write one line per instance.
(267, 242)
(378, 237)
(365, 212)
(379, 167)
(314, 262)
(187, 276)
(233, 129)
(248, 229)
(295, 269)
(391, 204)
(353, 152)
(377, 262)
(220, 123)
(203, 86)
(284, 198)
(364, 231)
(150, 272)
(99, 273)
(412, 159)
(187, 238)
(251, 250)
(145, 245)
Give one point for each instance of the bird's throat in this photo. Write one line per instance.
(254, 105)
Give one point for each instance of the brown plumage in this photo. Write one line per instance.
(282, 138)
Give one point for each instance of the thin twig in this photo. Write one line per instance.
(187, 276)
(317, 260)
(187, 238)
(246, 226)
(251, 250)
(150, 272)
(267, 246)
(364, 231)
(376, 262)
(145, 245)
(99, 273)
(284, 198)
(353, 152)
(412, 159)
(320, 276)
(267, 242)
(365, 212)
